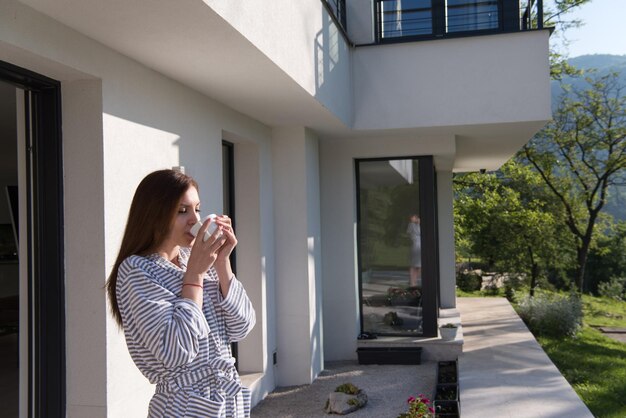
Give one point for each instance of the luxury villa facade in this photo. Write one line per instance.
(324, 128)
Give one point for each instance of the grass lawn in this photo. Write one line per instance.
(594, 364)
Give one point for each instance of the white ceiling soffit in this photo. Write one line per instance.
(488, 149)
(188, 42)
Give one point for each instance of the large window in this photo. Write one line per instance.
(405, 18)
(470, 15)
(440, 18)
(396, 246)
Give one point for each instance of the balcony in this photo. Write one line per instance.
(391, 21)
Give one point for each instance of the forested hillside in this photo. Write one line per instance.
(603, 64)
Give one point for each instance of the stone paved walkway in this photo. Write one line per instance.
(387, 388)
(504, 372)
(618, 334)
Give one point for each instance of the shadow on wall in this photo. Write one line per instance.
(332, 70)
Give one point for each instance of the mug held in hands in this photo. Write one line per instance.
(210, 230)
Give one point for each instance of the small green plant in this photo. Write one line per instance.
(418, 408)
(613, 289)
(449, 325)
(354, 402)
(348, 389)
(552, 315)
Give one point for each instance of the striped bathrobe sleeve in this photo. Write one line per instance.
(238, 311)
(168, 326)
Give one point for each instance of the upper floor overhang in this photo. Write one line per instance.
(286, 63)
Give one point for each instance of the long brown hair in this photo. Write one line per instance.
(150, 218)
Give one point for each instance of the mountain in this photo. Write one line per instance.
(599, 61)
(602, 64)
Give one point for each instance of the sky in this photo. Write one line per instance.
(603, 31)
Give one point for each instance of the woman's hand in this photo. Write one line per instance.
(225, 224)
(204, 253)
(222, 263)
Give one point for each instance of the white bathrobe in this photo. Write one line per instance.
(185, 351)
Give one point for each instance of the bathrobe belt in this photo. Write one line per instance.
(223, 369)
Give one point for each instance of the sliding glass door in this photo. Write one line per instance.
(391, 222)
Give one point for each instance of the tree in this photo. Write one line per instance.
(557, 18)
(580, 154)
(607, 259)
(509, 220)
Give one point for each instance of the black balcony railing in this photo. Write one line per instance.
(408, 20)
(531, 14)
(414, 19)
(338, 9)
(465, 16)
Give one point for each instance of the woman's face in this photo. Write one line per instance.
(184, 219)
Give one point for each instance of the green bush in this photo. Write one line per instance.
(469, 281)
(348, 388)
(614, 288)
(552, 315)
(512, 285)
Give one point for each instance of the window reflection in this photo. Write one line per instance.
(390, 247)
(468, 15)
(406, 18)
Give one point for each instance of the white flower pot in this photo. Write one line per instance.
(448, 334)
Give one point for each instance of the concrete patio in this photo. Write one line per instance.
(503, 373)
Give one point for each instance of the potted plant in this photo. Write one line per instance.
(448, 331)
(419, 407)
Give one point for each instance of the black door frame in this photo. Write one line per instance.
(430, 231)
(228, 181)
(44, 223)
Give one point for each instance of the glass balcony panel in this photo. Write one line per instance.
(405, 18)
(471, 15)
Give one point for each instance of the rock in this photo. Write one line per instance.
(342, 403)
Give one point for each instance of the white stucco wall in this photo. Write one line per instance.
(298, 276)
(451, 82)
(339, 249)
(301, 39)
(120, 121)
(447, 272)
(253, 205)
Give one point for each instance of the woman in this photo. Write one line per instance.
(415, 233)
(178, 302)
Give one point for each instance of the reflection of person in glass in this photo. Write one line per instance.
(414, 231)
